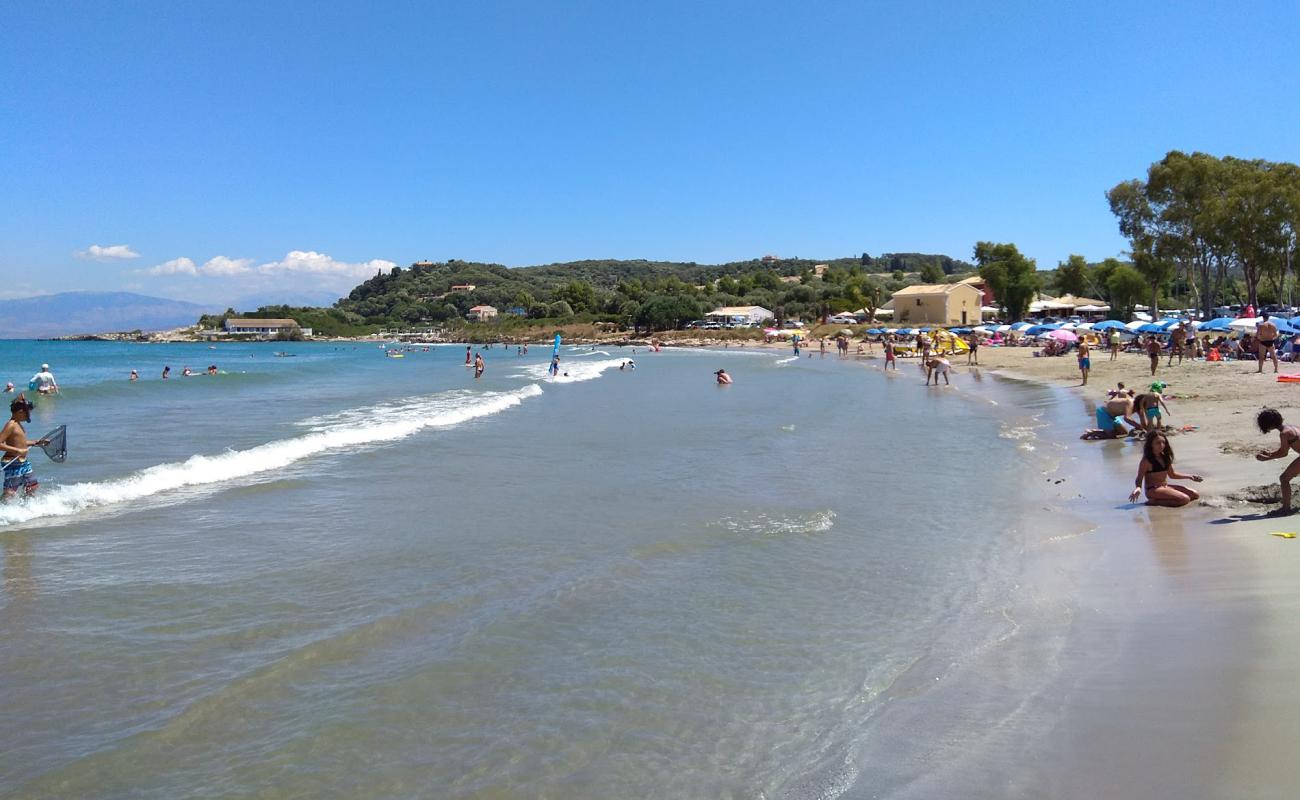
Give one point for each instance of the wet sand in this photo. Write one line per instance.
(1197, 604)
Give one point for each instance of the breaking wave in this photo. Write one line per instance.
(386, 423)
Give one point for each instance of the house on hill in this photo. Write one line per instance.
(482, 313)
(939, 304)
(462, 287)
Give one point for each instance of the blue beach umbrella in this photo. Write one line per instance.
(1108, 324)
(1151, 327)
(874, 331)
(1217, 324)
(1037, 329)
(1021, 326)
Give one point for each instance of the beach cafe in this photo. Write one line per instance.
(1065, 305)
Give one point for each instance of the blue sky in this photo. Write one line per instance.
(221, 151)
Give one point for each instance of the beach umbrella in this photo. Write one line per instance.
(1244, 324)
(1061, 336)
(874, 331)
(1021, 326)
(1137, 323)
(1040, 329)
(1150, 327)
(1106, 325)
(981, 329)
(1217, 324)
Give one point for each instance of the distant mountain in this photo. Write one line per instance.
(71, 313)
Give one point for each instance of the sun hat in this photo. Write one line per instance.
(45, 366)
(1159, 386)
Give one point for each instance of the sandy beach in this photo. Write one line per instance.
(1209, 665)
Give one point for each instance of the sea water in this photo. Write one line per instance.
(325, 572)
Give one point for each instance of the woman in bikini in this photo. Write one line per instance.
(1154, 472)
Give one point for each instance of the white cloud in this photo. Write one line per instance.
(313, 263)
(301, 276)
(218, 266)
(223, 265)
(114, 252)
(177, 266)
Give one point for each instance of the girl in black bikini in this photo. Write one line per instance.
(1154, 472)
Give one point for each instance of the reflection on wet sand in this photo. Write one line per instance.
(17, 574)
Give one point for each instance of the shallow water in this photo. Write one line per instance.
(338, 574)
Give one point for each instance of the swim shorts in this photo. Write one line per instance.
(1105, 421)
(18, 475)
(1153, 413)
(1085, 363)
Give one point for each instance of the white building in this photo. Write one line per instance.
(263, 327)
(482, 313)
(739, 315)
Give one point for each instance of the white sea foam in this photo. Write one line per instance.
(588, 354)
(580, 371)
(770, 525)
(787, 360)
(386, 423)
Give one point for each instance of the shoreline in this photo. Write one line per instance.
(1205, 592)
(1172, 676)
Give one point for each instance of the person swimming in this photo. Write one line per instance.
(479, 366)
(43, 381)
(723, 378)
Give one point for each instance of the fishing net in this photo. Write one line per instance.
(56, 444)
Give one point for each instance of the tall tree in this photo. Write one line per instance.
(1072, 276)
(1012, 277)
(1125, 287)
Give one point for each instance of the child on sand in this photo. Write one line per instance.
(1154, 472)
(1270, 420)
(1085, 363)
(1150, 405)
(1153, 352)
